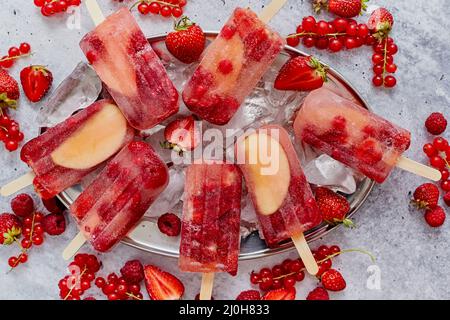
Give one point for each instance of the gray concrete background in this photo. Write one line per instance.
(412, 259)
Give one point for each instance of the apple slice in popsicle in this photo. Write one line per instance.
(97, 140)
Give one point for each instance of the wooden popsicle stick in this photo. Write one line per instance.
(18, 184)
(207, 286)
(419, 169)
(271, 10)
(95, 11)
(74, 246)
(305, 253)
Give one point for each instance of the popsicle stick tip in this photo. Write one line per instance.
(419, 169)
(271, 10)
(207, 286)
(95, 12)
(74, 246)
(17, 185)
(305, 253)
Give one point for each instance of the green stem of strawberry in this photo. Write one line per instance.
(17, 57)
(71, 289)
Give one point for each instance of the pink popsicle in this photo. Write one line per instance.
(210, 235)
(116, 200)
(135, 77)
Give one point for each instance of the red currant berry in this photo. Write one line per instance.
(378, 69)
(295, 266)
(390, 81)
(363, 31)
(39, 3)
(289, 282)
(277, 284)
(39, 230)
(392, 49)
(13, 262)
(350, 43)
(38, 216)
(6, 62)
(154, 8)
(309, 42)
(100, 282)
(300, 276)
(37, 240)
(334, 250)
(255, 278)
(27, 221)
(440, 144)
(391, 68)
(370, 40)
(340, 25)
(293, 41)
(122, 289)
(112, 278)
(177, 12)
(266, 284)
(437, 162)
(277, 271)
(265, 273)
(445, 185)
(322, 43)
(134, 288)
(48, 9)
(445, 174)
(335, 45)
(352, 30)
(309, 24)
(143, 8)
(379, 48)
(13, 52)
(286, 265)
(165, 11)
(11, 145)
(109, 288)
(322, 28)
(113, 297)
(26, 243)
(85, 285)
(323, 252)
(429, 150)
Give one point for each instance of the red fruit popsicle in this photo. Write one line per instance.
(210, 235)
(66, 153)
(135, 77)
(279, 191)
(351, 134)
(232, 66)
(109, 208)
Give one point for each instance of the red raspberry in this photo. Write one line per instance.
(169, 224)
(133, 271)
(53, 205)
(435, 217)
(54, 224)
(22, 205)
(436, 123)
(249, 295)
(225, 66)
(318, 293)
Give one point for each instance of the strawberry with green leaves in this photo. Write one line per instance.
(10, 228)
(9, 90)
(342, 8)
(187, 42)
(426, 196)
(380, 23)
(36, 82)
(333, 206)
(301, 74)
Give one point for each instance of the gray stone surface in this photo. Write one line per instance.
(412, 259)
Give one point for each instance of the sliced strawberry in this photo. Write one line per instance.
(162, 285)
(280, 294)
(181, 135)
(36, 82)
(301, 74)
(187, 42)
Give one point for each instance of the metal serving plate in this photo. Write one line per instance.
(148, 238)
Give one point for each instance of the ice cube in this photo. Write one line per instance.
(79, 90)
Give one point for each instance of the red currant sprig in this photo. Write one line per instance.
(165, 8)
(51, 7)
(14, 54)
(10, 133)
(333, 35)
(438, 153)
(115, 288)
(383, 60)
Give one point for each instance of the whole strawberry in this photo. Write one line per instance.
(426, 196)
(318, 293)
(332, 280)
(342, 8)
(10, 228)
(333, 206)
(249, 295)
(9, 90)
(36, 82)
(436, 123)
(187, 42)
(380, 23)
(301, 74)
(435, 217)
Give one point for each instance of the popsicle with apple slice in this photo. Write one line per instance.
(66, 153)
(282, 197)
